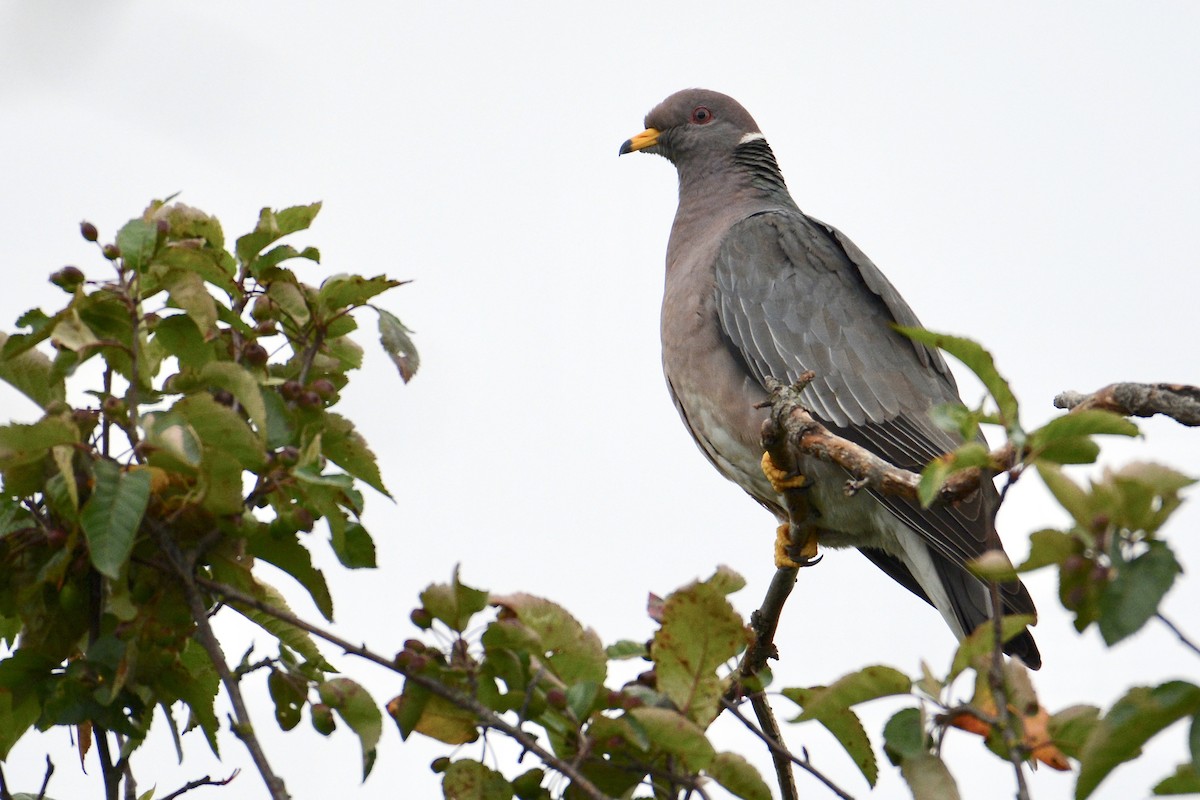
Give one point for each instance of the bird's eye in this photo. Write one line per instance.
(701, 115)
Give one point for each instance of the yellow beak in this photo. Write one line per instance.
(647, 138)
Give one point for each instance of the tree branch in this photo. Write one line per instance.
(243, 728)
(1183, 638)
(196, 784)
(1175, 400)
(777, 748)
(800, 433)
(1012, 745)
(485, 716)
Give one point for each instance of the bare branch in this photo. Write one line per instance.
(46, 780)
(1188, 643)
(1175, 400)
(778, 748)
(196, 784)
(485, 716)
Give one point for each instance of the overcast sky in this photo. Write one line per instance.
(1026, 173)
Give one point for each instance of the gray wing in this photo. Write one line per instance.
(794, 294)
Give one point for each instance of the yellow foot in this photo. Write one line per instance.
(781, 480)
(789, 556)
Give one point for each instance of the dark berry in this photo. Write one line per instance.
(111, 252)
(67, 278)
(255, 354)
(291, 390)
(88, 231)
(324, 387)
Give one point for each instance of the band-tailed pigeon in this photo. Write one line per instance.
(756, 288)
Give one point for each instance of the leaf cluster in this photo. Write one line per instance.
(187, 432)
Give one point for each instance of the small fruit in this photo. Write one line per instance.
(291, 390)
(265, 328)
(111, 252)
(67, 278)
(421, 618)
(88, 231)
(440, 765)
(556, 698)
(309, 399)
(255, 354)
(323, 387)
(223, 396)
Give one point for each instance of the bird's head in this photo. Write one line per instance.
(694, 124)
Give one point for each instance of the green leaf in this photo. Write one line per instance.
(580, 698)
(626, 649)
(935, 473)
(1194, 741)
(869, 683)
(287, 553)
(354, 547)
(738, 776)
(470, 780)
(113, 513)
(398, 345)
(358, 711)
(18, 711)
(978, 644)
(281, 253)
(1075, 450)
(41, 327)
(700, 631)
(138, 240)
(846, 727)
(1070, 728)
(1131, 598)
(568, 650)
(430, 715)
(677, 735)
(1089, 422)
(1048, 547)
(273, 226)
(344, 446)
(212, 265)
(454, 603)
(1129, 724)
(21, 444)
(341, 291)
(928, 778)
(980, 362)
(904, 736)
(29, 373)
(1186, 780)
(222, 428)
(179, 336)
(238, 381)
(289, 694)
(188, 291)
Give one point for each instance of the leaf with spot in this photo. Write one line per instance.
(398, 345)
(700, 632)
(676, 735)
(356, 708)
(470, 780)
(567, 649)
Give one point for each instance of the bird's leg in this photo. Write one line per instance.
(799, 550)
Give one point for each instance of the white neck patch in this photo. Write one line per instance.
(751, 137)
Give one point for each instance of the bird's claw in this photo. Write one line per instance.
(795, 556)
(781, 480)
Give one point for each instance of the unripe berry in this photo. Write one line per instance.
(111, 252)
(88, 231)
(323, 387)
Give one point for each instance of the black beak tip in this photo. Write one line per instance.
(627, 147)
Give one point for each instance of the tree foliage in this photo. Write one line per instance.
(187, 433)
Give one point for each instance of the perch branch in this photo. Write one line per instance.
(1175, 400)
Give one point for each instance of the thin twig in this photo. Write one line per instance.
(1188, 643)
(4, 793)
(777, 747)
(41, 795)
(1012, 746)
(782, 759)
(196, 784)
(485, 716)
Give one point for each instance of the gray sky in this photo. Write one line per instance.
(1025, 173)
